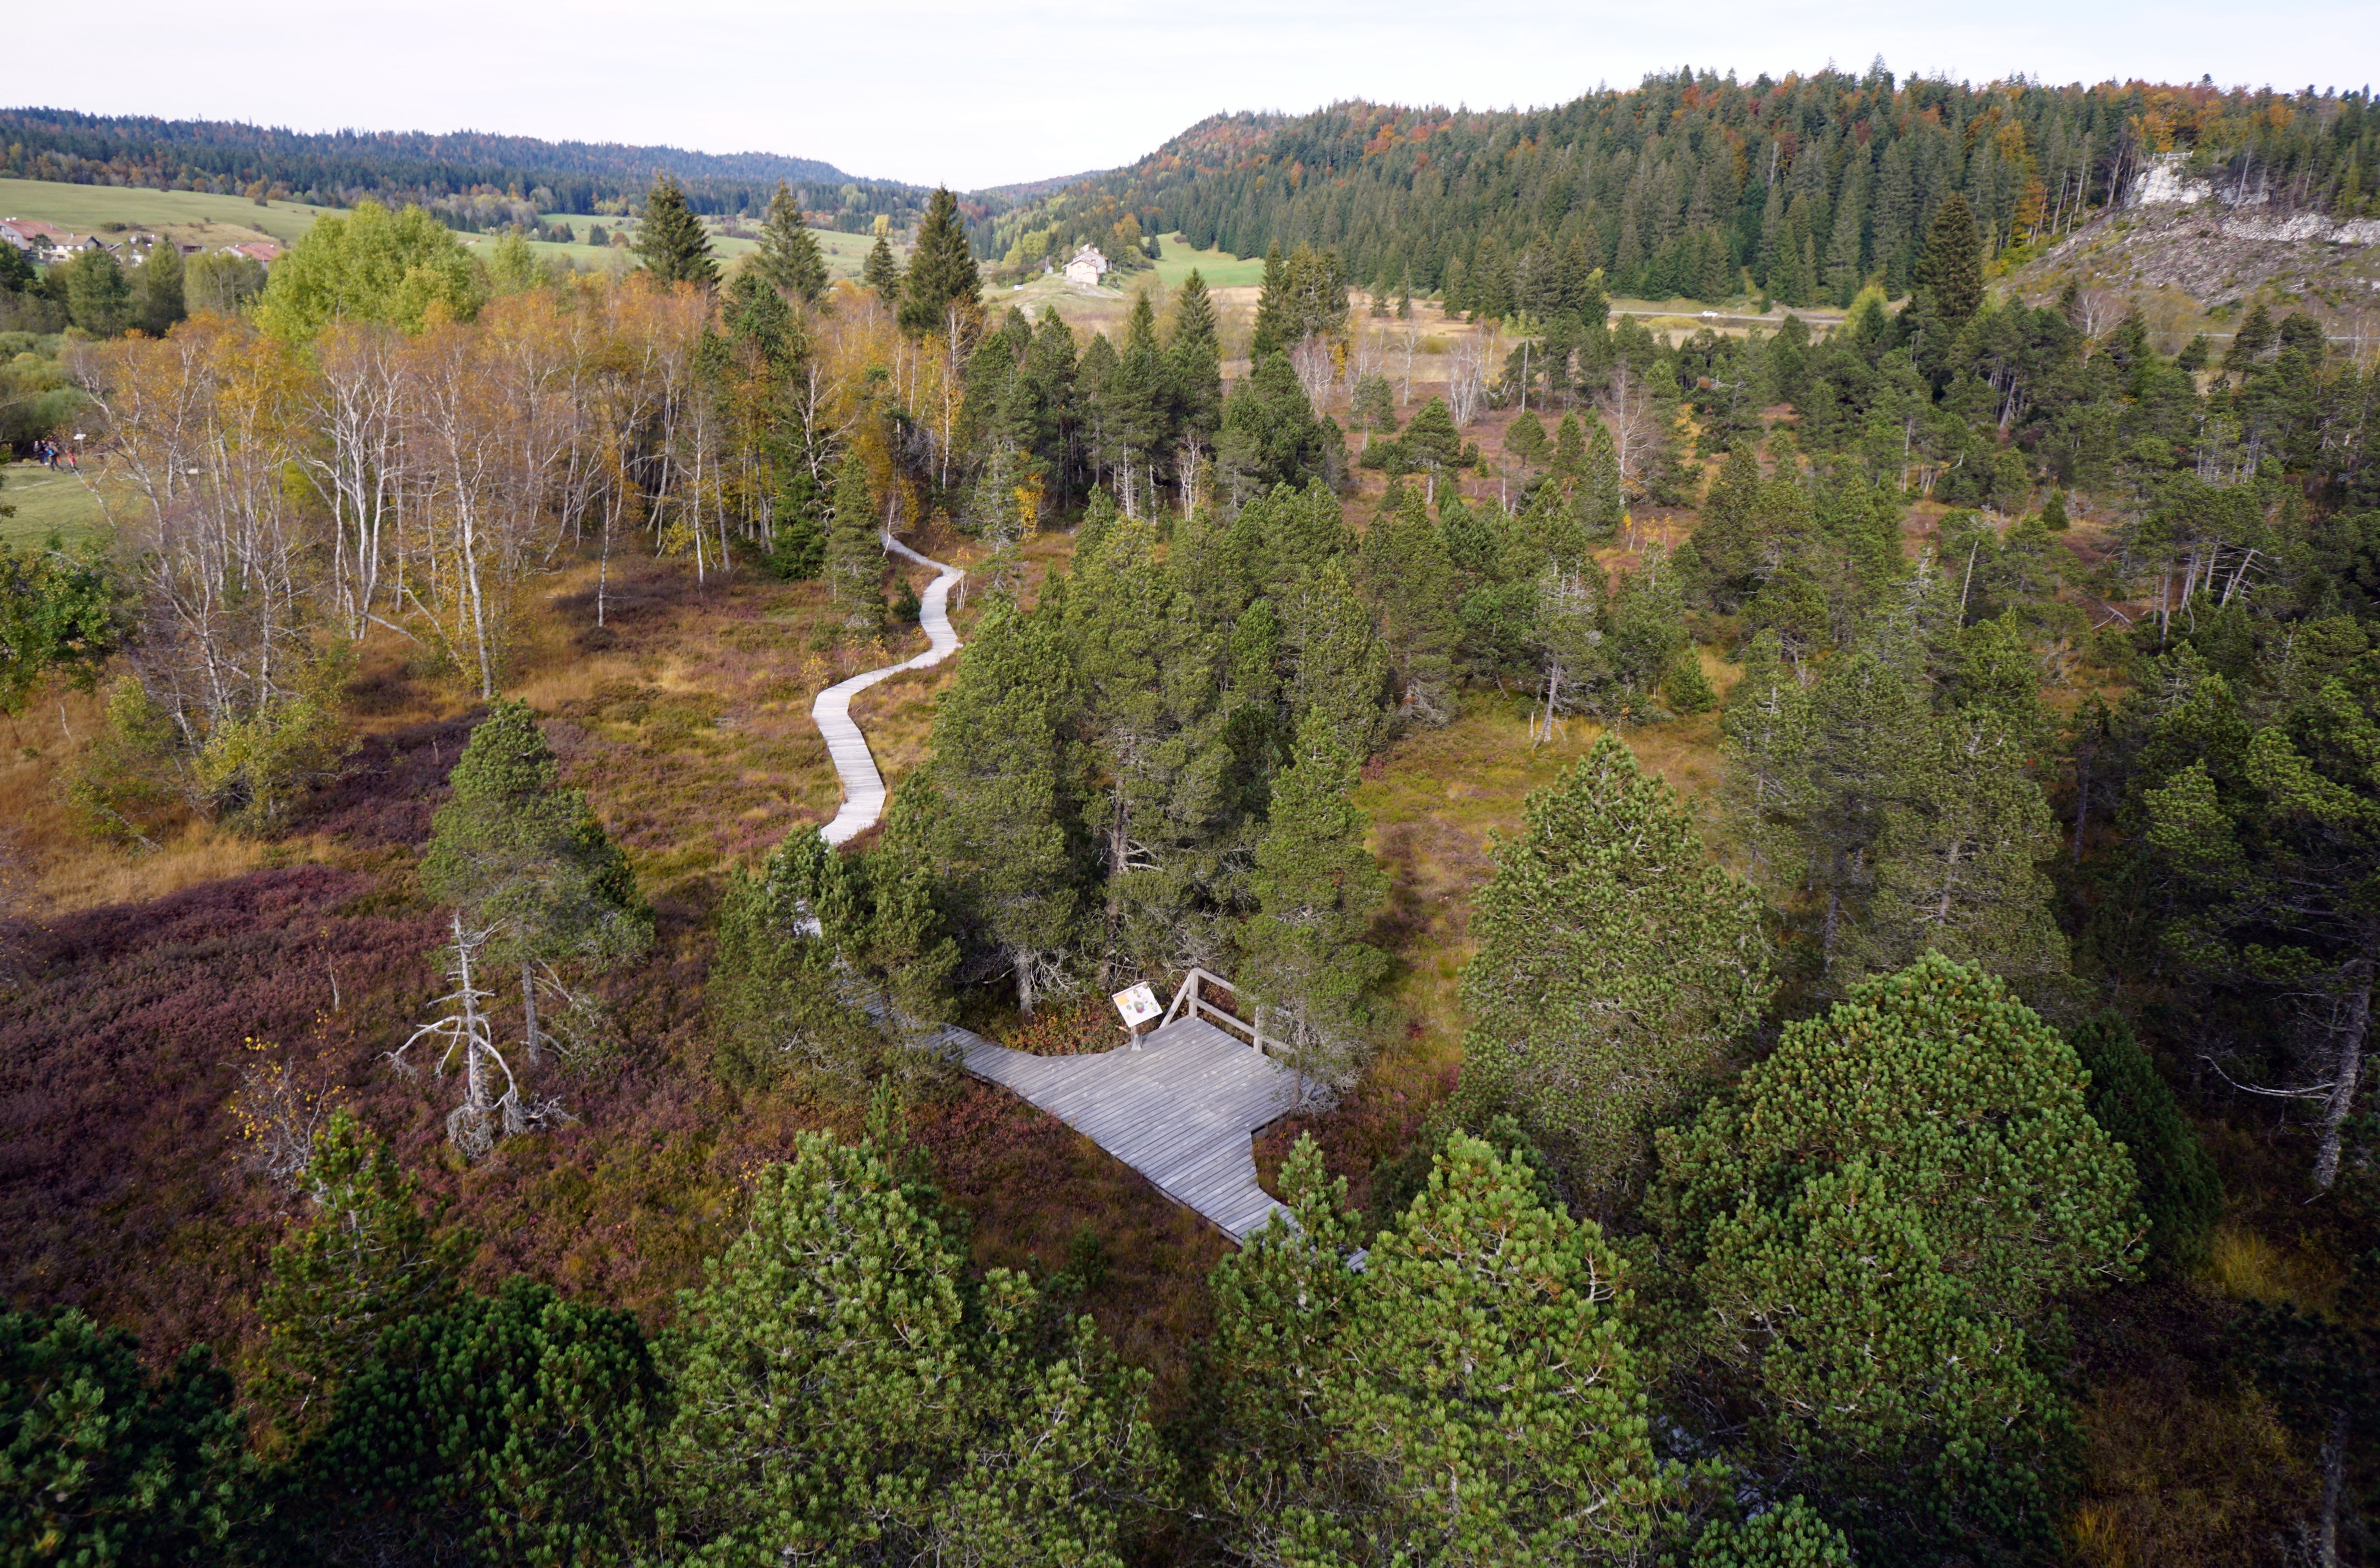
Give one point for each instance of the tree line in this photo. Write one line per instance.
(342, 168)
(1810, 186)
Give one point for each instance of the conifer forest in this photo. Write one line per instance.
(1765, 694)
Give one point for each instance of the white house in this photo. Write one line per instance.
(1087, 267)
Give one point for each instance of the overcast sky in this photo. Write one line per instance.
(977, 95)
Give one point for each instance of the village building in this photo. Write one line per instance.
(1087, 267)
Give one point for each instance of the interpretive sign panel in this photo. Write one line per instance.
(1138, 1005)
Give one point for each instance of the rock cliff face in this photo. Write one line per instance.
(2240, 213)
(2193, 254)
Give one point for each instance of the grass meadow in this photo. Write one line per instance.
(85, 207)
(46, 502)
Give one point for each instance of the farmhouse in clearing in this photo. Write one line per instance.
(1087, 267)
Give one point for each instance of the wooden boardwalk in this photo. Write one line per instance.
(863, 787)
(1181, 1110)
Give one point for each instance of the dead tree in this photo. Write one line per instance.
(484, 1115)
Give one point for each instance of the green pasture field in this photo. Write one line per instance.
(85, 207)
(1217, 269)
(46, 503)
(844, 253)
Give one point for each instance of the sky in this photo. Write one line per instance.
(974, 95)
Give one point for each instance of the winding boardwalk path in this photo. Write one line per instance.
(1182, 1109)
(863, 787)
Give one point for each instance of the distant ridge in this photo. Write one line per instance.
(337, 168)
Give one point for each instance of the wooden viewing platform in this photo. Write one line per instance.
(1182, 1109)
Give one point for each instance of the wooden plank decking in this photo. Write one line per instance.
(863, 787)
(1181, 1110)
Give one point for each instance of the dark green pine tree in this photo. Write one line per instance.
(1570, 448)
(158, 303)
(1617, 968)
(1600, 490)
(789, 256)
(942, 271)
(1471, 1386)
(855, 554)
(2271, 862)
(366, 1260)
(1273, 324)
(670, 239)
(1869, 1229)
(97, 296)
(1317, 888)
(997, 799)
(881, 273)
(774, 1002)
(1408, 573)
(525, 860)
(1342, 674)
(1950, 268)
(2179, 1189)
(105, 1465)
(1525, 439)
(1269, 435)
(517, 1423)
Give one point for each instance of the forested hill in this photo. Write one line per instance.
(1814, 183)
(336, 168)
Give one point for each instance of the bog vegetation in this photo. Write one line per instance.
(1937, 1133)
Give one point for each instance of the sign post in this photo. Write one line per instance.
(1138, 1005)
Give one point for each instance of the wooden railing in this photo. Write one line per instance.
(1189, 1002)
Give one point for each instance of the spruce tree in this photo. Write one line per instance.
(1951, 269)
(789, 257)
(1305, 961)
(942, 273)
(1195, 358)
(1274, 326)
(1617, 967)
(881, 274)
(855, 554)
(670, 239)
